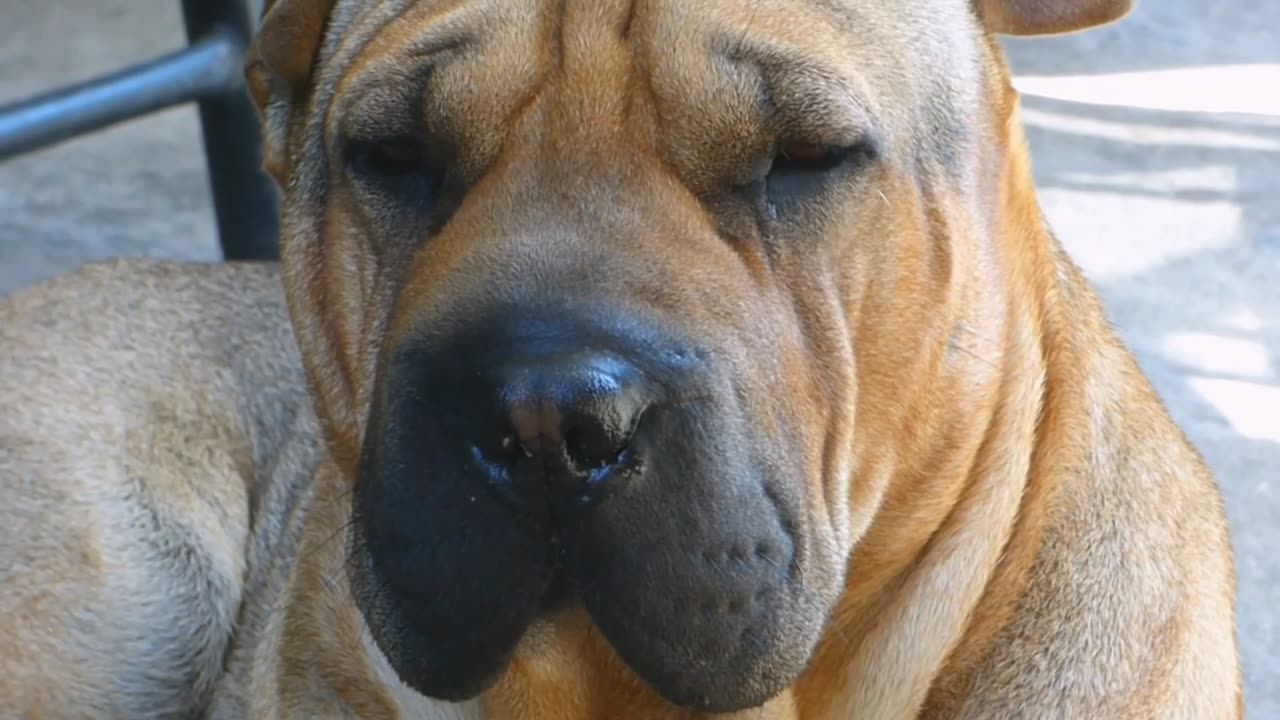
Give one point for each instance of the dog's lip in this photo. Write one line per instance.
(558, 592)
(498, 476)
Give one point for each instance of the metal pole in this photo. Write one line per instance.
(244, 198)
(207, 67)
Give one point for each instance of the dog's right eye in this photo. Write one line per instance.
(394, 159)
(398, 172)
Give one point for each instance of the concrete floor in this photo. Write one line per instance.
(1157, 148)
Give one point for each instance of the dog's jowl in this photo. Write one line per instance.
(626, 359)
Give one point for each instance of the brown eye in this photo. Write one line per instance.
(810, 157)
(802, 170)
(391, 158)
(400, 172)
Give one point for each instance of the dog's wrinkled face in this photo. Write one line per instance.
(613, 303)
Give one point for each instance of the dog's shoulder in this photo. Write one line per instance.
(116, 305)
(174, 347)
(150, 408)
(1120, 565)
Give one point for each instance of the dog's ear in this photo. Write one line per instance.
(1048, 17)
(277, 67)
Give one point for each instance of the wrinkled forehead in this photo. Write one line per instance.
(910, 67)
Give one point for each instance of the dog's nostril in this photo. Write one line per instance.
(565, 422)
(575, 445)
(590, 449)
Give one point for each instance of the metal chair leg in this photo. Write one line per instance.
(208, 71)
(244, 198)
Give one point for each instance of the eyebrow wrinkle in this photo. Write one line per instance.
(794, 85)
(624, 31)
(436, 34)
(355, 36)
(746, 27)
(837, 9)
(561, 19)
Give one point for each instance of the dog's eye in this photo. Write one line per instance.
(396, 158)
(813, 158)
(399, 173)
(802, 169)
(809, 157)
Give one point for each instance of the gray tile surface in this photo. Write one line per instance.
(1171, 206)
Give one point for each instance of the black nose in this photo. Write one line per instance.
(561, 424)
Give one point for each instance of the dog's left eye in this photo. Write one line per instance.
(801, 169)
(809, 158)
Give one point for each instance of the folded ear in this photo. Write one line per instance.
(278, 66)
(1048, 17)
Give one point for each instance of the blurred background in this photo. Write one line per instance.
(1156, 144)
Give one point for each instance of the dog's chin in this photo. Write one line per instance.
(442, 674)
(740, 646)
(722, 626)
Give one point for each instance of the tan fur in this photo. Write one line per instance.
(131, 491)
(1048, 17)
(1026, 532)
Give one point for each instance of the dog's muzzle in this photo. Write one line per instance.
(537, 457)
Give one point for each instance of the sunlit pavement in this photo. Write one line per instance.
(1156, 145)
